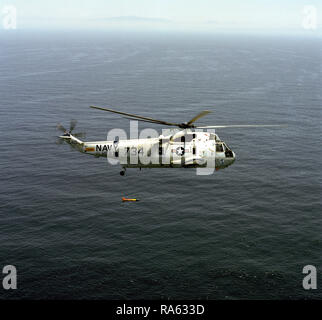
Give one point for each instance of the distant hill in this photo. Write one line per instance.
(135, 19)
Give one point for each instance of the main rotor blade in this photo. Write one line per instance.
(136, 116)
(154, 121)
(61, 127)
(201, 114)
(72, 125)
(243, 126)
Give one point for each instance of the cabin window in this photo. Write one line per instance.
(189, 137)
(180, 139)
(185, 138)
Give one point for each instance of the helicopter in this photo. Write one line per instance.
(184, 148)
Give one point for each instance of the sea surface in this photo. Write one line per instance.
(244, 232)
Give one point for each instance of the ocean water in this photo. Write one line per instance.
(245, 232)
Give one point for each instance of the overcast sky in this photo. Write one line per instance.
(209, 15)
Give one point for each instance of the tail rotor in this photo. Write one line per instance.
(66, 136)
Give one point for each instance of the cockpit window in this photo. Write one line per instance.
(219, 147)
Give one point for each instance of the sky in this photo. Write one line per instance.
(206, 15)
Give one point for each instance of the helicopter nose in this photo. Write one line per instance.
(231, 160)
(234, 158)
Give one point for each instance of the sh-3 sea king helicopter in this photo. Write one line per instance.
(184, 148)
